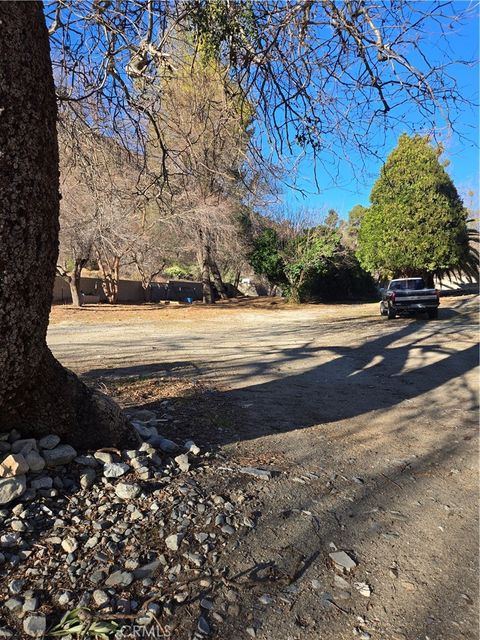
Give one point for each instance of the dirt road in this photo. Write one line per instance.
(371, 426)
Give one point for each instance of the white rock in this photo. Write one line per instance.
(182, 462)
(363, 588)
(69, 545)
(35, 626)
(342, 560)
(127, 491)
(13, 465)
(115, 469)
(192, 448)
(11, 488)
(172, 542)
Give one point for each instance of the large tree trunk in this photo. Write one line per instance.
(217, 279)
(37, 395)
(207, 289)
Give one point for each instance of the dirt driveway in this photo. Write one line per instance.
(370, 426)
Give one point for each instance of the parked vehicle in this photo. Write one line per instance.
(407, 296)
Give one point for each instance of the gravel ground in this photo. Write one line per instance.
(369, 429)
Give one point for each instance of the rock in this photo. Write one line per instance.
(87, 478)
(144, 415)
(49, 442)
(13, 465)
(64, 598)
(119, 579)
(195, 558)
(100, 598)
(103, 456)
(45, 482)
(408, 586)
(264, 474)
(342, 560)
(60, 455)
(164, 444)
(24, 446)
(35, 626)
(192, 448)
(35, 461)
(13, 604)
(147, 570)
(11, 488)
(15, 587)
(145, 432)
(363, 588)
(341, 583)
(228, 529)
(115, 469)
(316, 584)
(172, 542)
(182, 462)
(86, 461)
(30, 604)
(206, 604)
(251, 632)
(5, 633)
(70, 545)
(266, 599)
(203, 626)
(127, 491)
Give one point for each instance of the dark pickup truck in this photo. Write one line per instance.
(406, 296)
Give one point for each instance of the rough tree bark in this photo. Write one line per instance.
(217, 278)
(111, 274)
(204, 264)
(73, 280)
(37, 395)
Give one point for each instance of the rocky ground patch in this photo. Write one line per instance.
(131, 537)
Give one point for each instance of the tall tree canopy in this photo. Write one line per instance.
(417, 222)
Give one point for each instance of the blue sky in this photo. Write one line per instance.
(461, 146)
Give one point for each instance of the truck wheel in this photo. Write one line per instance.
(391, 314)
(432, 314)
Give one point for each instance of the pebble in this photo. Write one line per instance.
(11, 488)
(203, 626)
(264, 474)
(100, 598)
(70, 545)
(13, 465)
(182, 462)
(173, 541)
(119, 579)
(49, 442)
(59, 455)
(127, 491)
(35, 626)
(35, 461)
(342, 560)
(87, 478)
(24, 445)
(115, 469)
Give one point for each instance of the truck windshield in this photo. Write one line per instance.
(414, 284)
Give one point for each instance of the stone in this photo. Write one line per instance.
(24, 446)
(64, 598)
(342, 560)
(86, 461)
(119, 579)
(49, 442)
(5, 633)
(59, 455)
(100, 598)
(115, 469)
(172, 542)
(146, 570)
(87, 478)
(228, 529)
(263, 474)
(192, 448)
(182, 462)
(11, 488)
(30, 604)
(195, 558)
(69, 545)
(45, 482)
(144, 415)
(13, 604)
(164, 444)
(266, 599)
(13, 465)
(251, 632)
(203, 626)
(104, 456)
(35, 461)
(206, 604)
(127, 491)
(363, 588)
(341, 583)
(144, 431)
(35, 626)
